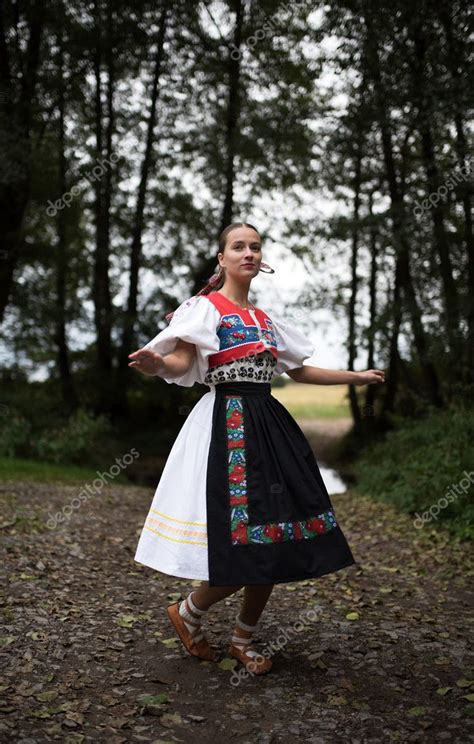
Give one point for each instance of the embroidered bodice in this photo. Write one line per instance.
(232, 343)
(247, 344)
(254, 368)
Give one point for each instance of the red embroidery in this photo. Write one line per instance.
(272, 532)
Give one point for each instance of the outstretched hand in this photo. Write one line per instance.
(370, 377)
(146, 361)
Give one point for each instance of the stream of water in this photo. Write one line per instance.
(332, 480)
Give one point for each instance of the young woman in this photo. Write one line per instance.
(241, 501)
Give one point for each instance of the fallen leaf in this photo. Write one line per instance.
(171, 719)
(227, 663)
(464, 682)
(46, 697)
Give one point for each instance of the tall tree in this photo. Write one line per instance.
(130, 314)
(398, 213)
(425, 115)
(18, 84)
(457, 62)
(69, 394)
(103, 60)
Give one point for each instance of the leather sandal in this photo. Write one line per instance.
(194, 642)
(254, 664)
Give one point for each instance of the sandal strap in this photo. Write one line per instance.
(243, 625)
(196, 635)
(238, 640)
(247, 652)
(191, 612)
(190, 622)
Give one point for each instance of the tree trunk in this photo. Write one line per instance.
(391, 387)
(455, 61)
(101, 287)
(434, 181)
(354, 405)
(232, 128)
(67, 385)
(130, 315)
(371, 393)
(15, 128)
(400, 239)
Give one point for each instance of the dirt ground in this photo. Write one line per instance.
(323, 434)
(88, 653)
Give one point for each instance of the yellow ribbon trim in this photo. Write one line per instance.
(174, 539)
(177, 529)
(183, 521)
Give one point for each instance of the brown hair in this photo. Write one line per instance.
(216, 281)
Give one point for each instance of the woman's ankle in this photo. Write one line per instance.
(242, 633)
(246, 624)
(199, 603)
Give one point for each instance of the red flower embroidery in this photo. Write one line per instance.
(236, 443)
(315, 525)
(274, 532)
(240, 533)
(297, 530)
(237, 474)
(238, 500)
(234, 420)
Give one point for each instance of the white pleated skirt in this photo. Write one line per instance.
(174, 537)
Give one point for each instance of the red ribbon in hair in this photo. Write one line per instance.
(215, 279)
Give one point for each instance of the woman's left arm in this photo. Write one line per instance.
(321, 376)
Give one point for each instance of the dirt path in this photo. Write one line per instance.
(86, 638)
(324, 434)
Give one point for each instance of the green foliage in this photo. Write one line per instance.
(18, 469)
(15, 433)
(73, 441)
(63, 441)
(420, 463)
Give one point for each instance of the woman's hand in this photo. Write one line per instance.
(148, 362)
(370, 377)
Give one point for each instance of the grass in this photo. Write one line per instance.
(314, 401)
(424, 467)
(19, 469)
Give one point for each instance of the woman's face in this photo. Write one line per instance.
(242, 254)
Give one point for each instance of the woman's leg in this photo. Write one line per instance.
(255, 598)
(206, 595)
(193, 610)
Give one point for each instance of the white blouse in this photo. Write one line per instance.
(196, 321)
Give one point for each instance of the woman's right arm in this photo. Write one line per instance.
(174, 364)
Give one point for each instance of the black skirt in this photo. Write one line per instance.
(269, 516)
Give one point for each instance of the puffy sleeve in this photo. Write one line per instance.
(293, 346)
(195, 321)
